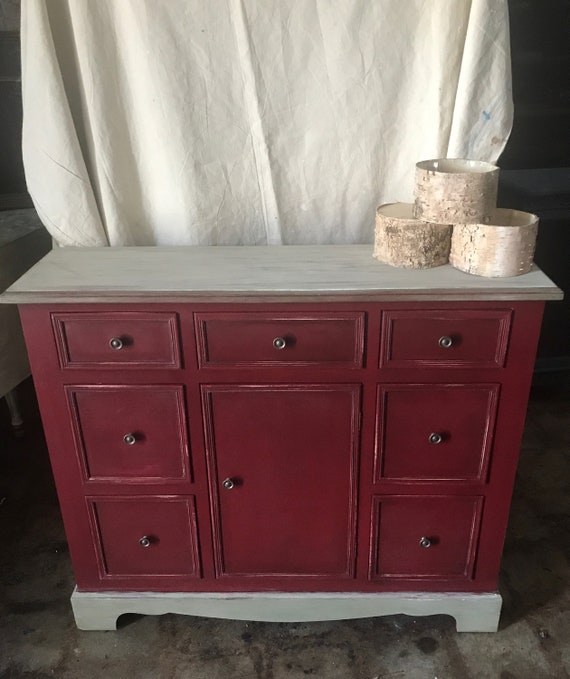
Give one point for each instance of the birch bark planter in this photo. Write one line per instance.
(404, 241)
(503, 248)
(455, 191)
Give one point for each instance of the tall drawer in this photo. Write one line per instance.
(130, 433)
(424, 536)
(263, 339)
(145, 536)
(446, 339)
(122, 339)
(434, 432)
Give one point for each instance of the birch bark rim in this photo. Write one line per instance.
(464, 166)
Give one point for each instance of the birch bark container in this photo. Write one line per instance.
(402, 240)
(503, 248)
(455, 191)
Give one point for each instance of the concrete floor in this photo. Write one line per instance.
(39, 640)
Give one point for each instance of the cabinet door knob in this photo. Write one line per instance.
(445, 342)
(116, 343)
(435, 438)
(144, 541)
(228, 484)
(129, 439)
(425, 543)
(279, 343)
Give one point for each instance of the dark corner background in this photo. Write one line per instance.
(535, 167)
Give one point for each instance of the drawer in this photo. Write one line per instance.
(447, 339)
(123, 338)
(145, 536)
(425, 536)
(131, 433)
(427, 432)
(263, 339)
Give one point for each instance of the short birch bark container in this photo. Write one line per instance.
(503, 248)
(455, 191)
(402, 240)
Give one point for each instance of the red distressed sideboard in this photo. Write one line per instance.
(280, 433)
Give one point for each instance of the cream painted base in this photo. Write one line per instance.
(472, 612)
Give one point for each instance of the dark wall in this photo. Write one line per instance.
(535, 167)
(12, 183)
(540, 38)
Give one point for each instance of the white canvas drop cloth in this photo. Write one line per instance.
(248, 121)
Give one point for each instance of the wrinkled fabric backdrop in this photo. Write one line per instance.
(248, 122)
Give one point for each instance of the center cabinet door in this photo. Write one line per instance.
(282, 463)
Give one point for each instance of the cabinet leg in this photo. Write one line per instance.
(14, 408)
(95, 613)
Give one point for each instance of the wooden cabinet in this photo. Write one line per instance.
(341, 447)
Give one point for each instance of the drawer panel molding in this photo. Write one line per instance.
(145, 537)
(445, 338)
(120, 339)
(130, 433)
(434, 432)
(424, 537)
(263, 339)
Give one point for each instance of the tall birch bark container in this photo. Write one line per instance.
(404, 241)
(503, 248)
(455, 191)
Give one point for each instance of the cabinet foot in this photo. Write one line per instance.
(472, 612)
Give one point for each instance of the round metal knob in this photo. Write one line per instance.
(445, 342)
(228, 484)
(144, 541)
(435, 438)
(116, 343)
(425, 543)
(279, 343)
(129, 439)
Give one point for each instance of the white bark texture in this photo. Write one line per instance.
(404, 241)
(496, 250)
(455, 197)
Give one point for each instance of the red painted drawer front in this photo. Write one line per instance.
(434, 432)
(132, 433)
(478, 338)
(291, 452)
(449, 524)
(122, 526)
(244, 339)
(141, 339)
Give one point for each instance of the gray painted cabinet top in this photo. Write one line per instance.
(274, 273)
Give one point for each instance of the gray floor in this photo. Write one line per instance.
(38, 638)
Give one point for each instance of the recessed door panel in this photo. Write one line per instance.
(283, 478)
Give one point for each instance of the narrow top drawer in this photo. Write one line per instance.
(122, 338)
(265, 339)
(445, 338)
